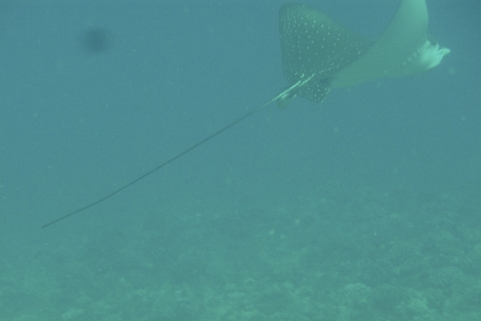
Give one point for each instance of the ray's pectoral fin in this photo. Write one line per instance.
(403, 49)
(334, 56)
(314, 49)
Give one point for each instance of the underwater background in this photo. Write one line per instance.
(365, 207)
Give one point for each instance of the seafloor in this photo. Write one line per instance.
(330, 255)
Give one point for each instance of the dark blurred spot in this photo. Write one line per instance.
(96, 40)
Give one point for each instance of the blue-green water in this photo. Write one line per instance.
(367, 207)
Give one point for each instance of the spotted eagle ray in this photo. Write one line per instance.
(319, 54)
